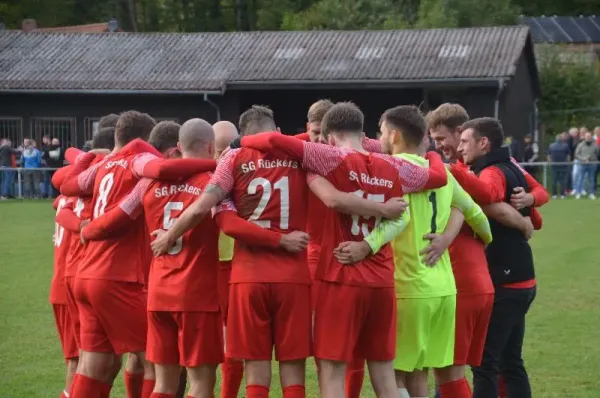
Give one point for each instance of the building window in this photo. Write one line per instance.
(90, 127)
(63, 128)
(12, 128)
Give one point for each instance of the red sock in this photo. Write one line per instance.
(501, 387)
(133, 384)
(296, 391)
(90, 388)
(147, 388)
(161, 395)
(355, 375)
(73, 385)
(256, 391)
(232, 374)
(456, 389)
(62, 395)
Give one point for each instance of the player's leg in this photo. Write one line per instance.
(416, 383)
(65, 330)
(249, 334)
(201, 350)
(163, 351)
(75, 323)
(182, 384)
(133, 376)
(338, 307)
(292, 324)
(355, 375)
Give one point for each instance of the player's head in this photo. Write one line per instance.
(225, 133)
(197, 139)
(480, 136)
(104, 139)
(444, 126)
(164, 137)
(315, 115)
(403, 129)
(132, 125)
(257, 119)
(343, 121)
(109, 120)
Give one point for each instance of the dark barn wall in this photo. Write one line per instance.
(518, 103)
(291, 106)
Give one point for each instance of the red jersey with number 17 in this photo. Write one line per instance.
(62, 242)
(271, 192)
(125, 257)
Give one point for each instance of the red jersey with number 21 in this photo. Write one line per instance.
(271, 192)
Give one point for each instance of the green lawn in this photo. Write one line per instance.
(562, 350)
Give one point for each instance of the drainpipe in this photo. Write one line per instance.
(214, 105)
(498, 96)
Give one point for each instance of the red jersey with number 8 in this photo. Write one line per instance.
(265, 189)
(125, 257)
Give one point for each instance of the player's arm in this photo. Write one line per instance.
(217, 189)
(349, 203)
(508, 216)
(80, 181)
(416, 178)
(59, 176)
(488, 188)
(371, 145)
(276, 144)
(68, 219)
(439, 243)
(473, 214)
(55, 203)
(150, 166)
(118, 218)
(302, 137)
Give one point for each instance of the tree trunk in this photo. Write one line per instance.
(132, 14)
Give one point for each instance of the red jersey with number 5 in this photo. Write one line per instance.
(125, 257)
(271, 192)
(62, 242)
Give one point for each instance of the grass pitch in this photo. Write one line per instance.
(561, 351)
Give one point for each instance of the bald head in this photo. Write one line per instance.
(196, 138)
(225, 133)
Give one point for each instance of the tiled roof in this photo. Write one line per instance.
(89, 28)
(198, 62)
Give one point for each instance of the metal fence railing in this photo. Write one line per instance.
(22, 182)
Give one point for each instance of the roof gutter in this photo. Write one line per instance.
(214, 105)
(109, 92)
(498, 96)
(362, 84)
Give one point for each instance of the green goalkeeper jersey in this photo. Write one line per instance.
(428, 212)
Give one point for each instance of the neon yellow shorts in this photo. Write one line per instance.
(425, 333)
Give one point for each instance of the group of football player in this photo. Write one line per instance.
(192, 246)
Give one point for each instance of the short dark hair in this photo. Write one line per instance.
(257, 119)
(450, 115)
(409, 120)
(343, 118)
(486, 127)
(132, 125)
(318, 110)
(109, 120)
(164, 135)
(104, 139)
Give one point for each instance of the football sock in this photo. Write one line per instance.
(161, 395)
(90, 388)
(72, 385)
(64, 394)
(403, 393)
(232, 375)
(147, 388)
(456, 389)
(133, 384)
(355, 375)
(295, 391)
(256, 391)
(501, 388)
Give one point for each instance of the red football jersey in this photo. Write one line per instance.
(185, 278)
(372, 176)
(62, 241)
(271, 192)
(126, 257)
(469, 264)
(82, 207)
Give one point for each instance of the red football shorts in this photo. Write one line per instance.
(188, 339)
(112, 315)
(472, 319)
(64, 326)
(73, 310)
(366, 318)
(223, 286)
(313, 253)
(267, 315)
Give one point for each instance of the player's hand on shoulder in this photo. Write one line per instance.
(521, 199)
(394, 208)
(100, 151)
(432, 253)
(294, 242)
(83, 223)
(351, 252)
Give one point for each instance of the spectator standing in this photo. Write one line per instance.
(572, 141)
(531, 154)
(54, 157)
(597, 138)
(7, 154)
(514, 147)
(585, 153)
(559, 152)
(31, 158)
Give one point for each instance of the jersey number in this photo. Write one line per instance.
(59, 231)
(103, 190)
(283, 186)
(168, 223)
(364, 227)
(433, 201)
